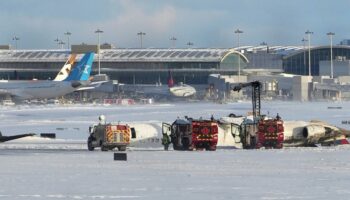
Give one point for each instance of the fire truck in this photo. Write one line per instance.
(259, 132)
(191, 134)
(270, 133)
(110, 136)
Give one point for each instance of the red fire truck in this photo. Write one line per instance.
(191, 134)
(260, 132)
(270, 133)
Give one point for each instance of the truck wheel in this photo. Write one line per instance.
(279, 146)
(104, 148)
(89, 144)
(176, 147)
(185, 143)
(211, 148)
(122, 148)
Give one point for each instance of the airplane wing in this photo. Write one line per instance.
(85, 88)
(13, 137)
(92, 85)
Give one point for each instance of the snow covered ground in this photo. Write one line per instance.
(72, 121)
(302, 173)
(64, 169)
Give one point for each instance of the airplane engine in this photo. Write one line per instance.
(314, 132)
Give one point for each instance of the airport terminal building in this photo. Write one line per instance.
(191, 66)
(140, 66)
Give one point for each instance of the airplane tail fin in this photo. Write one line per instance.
(66, 69)
(170, 79)
(83, 69)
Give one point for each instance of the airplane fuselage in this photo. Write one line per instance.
(36, 88)
(182, 90)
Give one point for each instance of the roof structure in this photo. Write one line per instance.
(282, 50)
(147, 55)
(317, 48)
(123, 55)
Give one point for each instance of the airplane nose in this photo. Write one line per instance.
(76, 84)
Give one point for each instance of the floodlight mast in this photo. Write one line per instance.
(98, 31)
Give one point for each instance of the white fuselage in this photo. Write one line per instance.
(36, 88)
(149, 135)
(182, 90)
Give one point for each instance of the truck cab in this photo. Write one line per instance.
(110, 136)
(179, 133)
(190, 134)
(259, 132)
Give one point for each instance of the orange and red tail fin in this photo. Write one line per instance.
(170, 79)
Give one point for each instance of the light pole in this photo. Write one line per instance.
(173, 39)
(15, 38)
(189, 44)
(98, 31)
(141, 34)
(330, 34)
(68, 34)
(266, 45)
(61, 43)
(239, 56)
(57, 42)
(309, 33)
(304, 40)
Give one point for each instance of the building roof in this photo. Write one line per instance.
(123, 55)
(33, 55)
(150, 55)
(282, 50)
(316, 48)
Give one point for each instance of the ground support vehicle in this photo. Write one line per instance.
(190, 134)
(259, 132)
(109, 136)
(204, 134)
(270, 134)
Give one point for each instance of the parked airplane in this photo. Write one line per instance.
(66, 69)
(171, 90)
(180, 90)
(37, 89)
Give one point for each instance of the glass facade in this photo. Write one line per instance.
(298, 63)
(230, 62)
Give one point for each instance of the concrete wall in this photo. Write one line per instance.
(83, 48)
(301, 88)
(284, 83)
(5, 47)
(344, 79)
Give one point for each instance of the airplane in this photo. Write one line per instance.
(180, 90)
(296, 134)
(13, 137)
(171, 90)
(44, 89)
(313, 133)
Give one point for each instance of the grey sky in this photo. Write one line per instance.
(206, 23)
